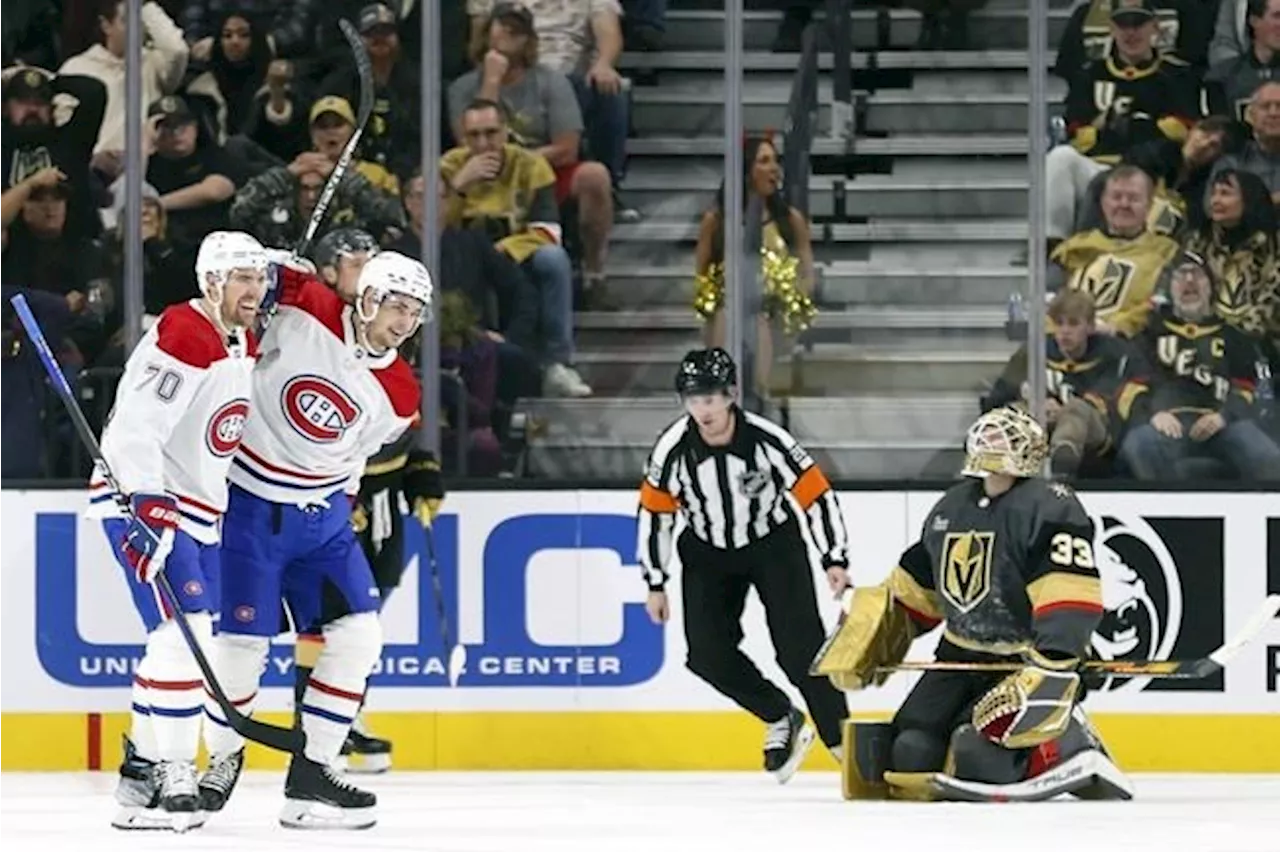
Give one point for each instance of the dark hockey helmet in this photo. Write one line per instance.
(706, 371)
(340, 241)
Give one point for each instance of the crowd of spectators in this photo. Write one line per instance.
(248, 106)
(1161, 219)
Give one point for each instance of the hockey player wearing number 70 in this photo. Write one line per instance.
(329, 390)
(177, 420)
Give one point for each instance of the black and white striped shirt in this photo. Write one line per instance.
(734, 495)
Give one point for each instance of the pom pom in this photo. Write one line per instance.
(708, 291)
(782, 296)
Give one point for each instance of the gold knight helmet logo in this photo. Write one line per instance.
(966, 568)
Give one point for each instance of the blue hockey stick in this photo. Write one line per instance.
(282, 739)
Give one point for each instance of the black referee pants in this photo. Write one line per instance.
(714, 585)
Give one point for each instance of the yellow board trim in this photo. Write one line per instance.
(719, 741)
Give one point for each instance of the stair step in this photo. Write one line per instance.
(908, 60)
(866, 317)
(888, 230)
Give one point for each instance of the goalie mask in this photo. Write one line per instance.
(1006, 441)
(392, 276)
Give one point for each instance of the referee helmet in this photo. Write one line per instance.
(706, 371)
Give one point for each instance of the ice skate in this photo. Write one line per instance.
(363, 753)
(137, 794)
(179, 795)
(317, 797)
(786, 743)
(219, 780)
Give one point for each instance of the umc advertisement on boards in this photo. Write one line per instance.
(547, 595)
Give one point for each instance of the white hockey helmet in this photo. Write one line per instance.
(390, 272)
(223, 251)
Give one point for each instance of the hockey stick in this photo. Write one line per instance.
(457, 652)
(1176, 669)
(364, 68)
(272, 736)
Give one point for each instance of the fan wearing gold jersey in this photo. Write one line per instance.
(1120, 263)
(1006, 561)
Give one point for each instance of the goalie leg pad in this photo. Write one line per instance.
(915, 750)
(175, 689)
(978, 759)
(336, 690)
(238, 661)
(864, 757)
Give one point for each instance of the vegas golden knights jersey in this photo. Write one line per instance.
(1247, 279)
(1194, 368)
(1095, 377)
(1007, 573)
(1142, 104)
(1120, 274)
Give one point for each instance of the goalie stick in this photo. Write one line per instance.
(282, 739)
(1191, 669)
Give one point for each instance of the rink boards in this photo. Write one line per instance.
(566, 672)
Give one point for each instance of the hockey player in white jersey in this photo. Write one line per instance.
(179, 412)
(330, 390)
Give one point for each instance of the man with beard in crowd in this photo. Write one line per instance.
(31, 141)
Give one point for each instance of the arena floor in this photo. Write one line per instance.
(661, 812)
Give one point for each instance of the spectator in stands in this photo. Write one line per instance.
(23, 383)
(279, 123)
(1120, 263)
(32, 142)
(39, 254)
(393, 137)
(581, 39)
(1084, 371)
(1261, 154)
(276, 205)
(785, 231)
(545, 118)
(288, 24)
(469, 354)
(164, 61)
(190, 171)
(332, 124)
(1134, 94)
(1193, 391)
(1238, 244)
(236, 69)
(1182, 27)
(1232, 33)
(508, 192)
(1230, 84)
(1180, 171)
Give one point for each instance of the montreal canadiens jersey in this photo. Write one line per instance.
(179, 413)
(322, 404)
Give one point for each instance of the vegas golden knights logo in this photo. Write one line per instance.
(966, 568)
(1106, 280)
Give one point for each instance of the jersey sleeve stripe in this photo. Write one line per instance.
(809, 487)
(1059, 590)
(657, 500)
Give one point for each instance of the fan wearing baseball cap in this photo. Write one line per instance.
(333, 121)
(190, 171)
(392, 138)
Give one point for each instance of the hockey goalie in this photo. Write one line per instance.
(1005, 562)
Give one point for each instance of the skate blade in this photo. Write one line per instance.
(184, 821)
(155, 819)
(804, 742)
(365, 764)
(317, 816)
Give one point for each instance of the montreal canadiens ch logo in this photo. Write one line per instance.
(318, 408)
(226, 427)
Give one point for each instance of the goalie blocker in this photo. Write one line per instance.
(1006, 561)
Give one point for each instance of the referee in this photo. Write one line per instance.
(730, 473)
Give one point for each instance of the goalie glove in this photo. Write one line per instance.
(1030, 706)
(874, 632)
(149, 537)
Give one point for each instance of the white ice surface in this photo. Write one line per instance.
(661, 812)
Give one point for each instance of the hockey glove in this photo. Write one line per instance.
(1031, 706)
(423, 485)
(359, 517)
(149, 536)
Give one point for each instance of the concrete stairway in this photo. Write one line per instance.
(915, 230)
